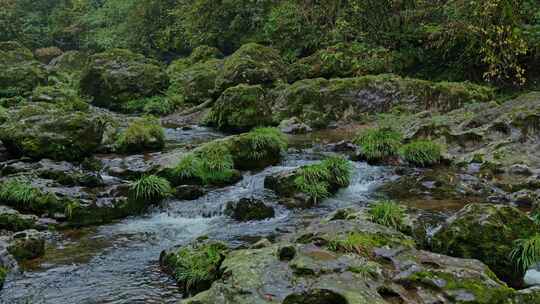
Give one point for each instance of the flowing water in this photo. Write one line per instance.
(118, 263)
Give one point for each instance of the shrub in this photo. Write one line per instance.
(150, 188)
(526, 252)
(422, 153)
(379, 144)
(387, 213)
(142, 134)
(196, 268)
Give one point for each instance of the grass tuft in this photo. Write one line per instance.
(150, 188)
(142, 134)
(526, 252)
(387, 213)
(422, 153)
(263, 143)
(379, 144)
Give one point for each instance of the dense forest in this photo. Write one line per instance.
(270, 151)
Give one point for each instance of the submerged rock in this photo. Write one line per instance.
(485, 232)
(27, 245)
(249, 209)
(117, 76)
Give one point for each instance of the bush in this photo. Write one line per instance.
(421, 153)
(526, 252)
(387, 213)
(150, 189)
(379, 144)
(142, 134)
(319, 180)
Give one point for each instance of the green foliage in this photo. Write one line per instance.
(421, 153)
(156, 105)
(363, 243)
(387, 213)
(20, 194)
(210, 164)
(150, 189)
(196, 268)
(319, 180)
(526, 252)
(262, 143)
(142, 134)
(379, 144)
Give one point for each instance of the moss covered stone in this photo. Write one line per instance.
(195, 83)
(47, 131)
(241, 108)
(27, 245)
(142, 134)
(20, 73)
(252, 64)
(12, 220)
(319, 102)
(118, 76)
(485, 232)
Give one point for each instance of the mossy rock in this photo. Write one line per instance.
(252, 64)
(200, 54)
(319, 102)
(12, 220)
(241, 108)
(195, 83)
(117, 76)
(73, 62)
(45, 130)
(485, 232)
(20, 73)
(344, 60)
(27, 245)
(257, 149)
(142, 134)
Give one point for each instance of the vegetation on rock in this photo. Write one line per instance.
(150, 189)
(379, 144)
(142, 134)
(421, 153)
(387, 213)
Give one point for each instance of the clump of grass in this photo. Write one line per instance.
(210, 164)
(262, 143)
(197, 267)
(422, 153)
(22, 195)
(142, 134)
(363, 243)
(150, 188)
(319, 180)
(387, 213)
(526, 252)
(379, 144)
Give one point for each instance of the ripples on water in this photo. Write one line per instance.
(117, 263)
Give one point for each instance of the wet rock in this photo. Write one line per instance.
(189, 192)
(20, 73)
(485, 232)
(532, 276)
(262, 243)
(286, 253)
(12, 220)
(240, 108)
(519, 169)
(294, 126)
(526, 198)
(27, 245)
(248, 209)
(45, 55)
(47, 131)
(117, 76)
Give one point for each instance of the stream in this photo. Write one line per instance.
(118, 263)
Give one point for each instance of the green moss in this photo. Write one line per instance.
(241, 108)
(379, 144)
(422, 153)
(363, 243)
(387, 213)
(142, 134)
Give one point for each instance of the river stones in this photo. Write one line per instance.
(485, 232)
(248, 209)
(27, 245)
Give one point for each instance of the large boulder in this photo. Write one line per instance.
(241, 108)
(485, 232)
(252, 64)
(69, 62)
(20, 73)
(47, 131)
(319, 102)
(351, 262)
(195, 83)
(117, 76)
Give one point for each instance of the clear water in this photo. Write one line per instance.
(118, 263)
